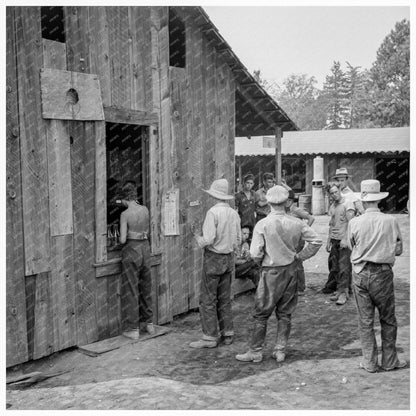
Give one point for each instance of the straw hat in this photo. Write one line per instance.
(370, 191)
(219, 190)
(277, 194)
(341, 172)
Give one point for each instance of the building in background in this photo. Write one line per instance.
(378, 153)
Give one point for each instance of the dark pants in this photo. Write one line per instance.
(277, 291)
(136, 284)
(248, 270)
(215, 296)
(300, 272)
(339, 265)
(373, 288)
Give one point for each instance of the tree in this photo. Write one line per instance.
(389, 79)
(355, 80)
(336, 94)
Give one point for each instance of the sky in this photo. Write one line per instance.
(282, 40)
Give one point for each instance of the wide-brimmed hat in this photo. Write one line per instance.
(341, 172)
(277, 194)
(219, 190)
(370, 191)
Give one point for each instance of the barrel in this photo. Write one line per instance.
(305, 202)
(318, 200)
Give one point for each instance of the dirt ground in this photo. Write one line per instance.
(321, 370)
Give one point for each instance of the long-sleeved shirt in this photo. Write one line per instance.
(374, 237)
(276, 238)
(246, 208)
(221, 231)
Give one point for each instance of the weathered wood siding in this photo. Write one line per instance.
(62, 285)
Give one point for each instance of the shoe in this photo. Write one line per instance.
(132, 334)
(228, 340)
(250, 356)
(203, 343)
(370, 370)
(334, 296)
(342, 299)
(150, 329)
(400, 364)
(279, 356)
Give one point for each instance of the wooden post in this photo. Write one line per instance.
(278, 155)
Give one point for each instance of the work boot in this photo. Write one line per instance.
(279, 356)
(203, 343)
(369, 370)
(132, 334)
(342, 299)
(250, 356)
(399, 364)
(150, 328)
(334, 296)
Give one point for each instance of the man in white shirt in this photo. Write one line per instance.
(221, 236)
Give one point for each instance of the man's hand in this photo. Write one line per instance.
(328, 246)
(343, 244)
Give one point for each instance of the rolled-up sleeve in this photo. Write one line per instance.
(314, 243)
(257, 245)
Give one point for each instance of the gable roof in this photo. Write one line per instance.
(345, 141)
(256, 112)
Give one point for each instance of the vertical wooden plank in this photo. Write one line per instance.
(102, 305)
(43, 329)
(118, 24)
(62, 287)
(178, 154)
(83, 195)
(59, 177)
(33, 142)
(16, 324)
(196, 106)
(62, 279)
(161, 54)
(137, 57)
(99, 50)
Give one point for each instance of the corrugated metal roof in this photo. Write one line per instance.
(377, 140)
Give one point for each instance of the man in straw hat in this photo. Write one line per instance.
(375, 240)
(221, 235)
(274, 244)
(342, 177)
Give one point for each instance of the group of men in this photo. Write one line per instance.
(280, 242)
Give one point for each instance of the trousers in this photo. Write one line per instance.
(136, 284)
(276, 291)
(340, 269)
(215, 295)
(373, 288)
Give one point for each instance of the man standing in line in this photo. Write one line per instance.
(341, 211)
(136, 279)
(375, 240)
(245, 202)
(300, 213)
(274, 244)
(221, 235)
(342, 176)
(262, 207)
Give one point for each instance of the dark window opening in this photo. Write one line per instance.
(177, 47)
(127, 154)
(53, 23)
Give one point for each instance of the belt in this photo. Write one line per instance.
(382, 266)
(138, 236)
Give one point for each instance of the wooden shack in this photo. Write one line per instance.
(96, 96)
